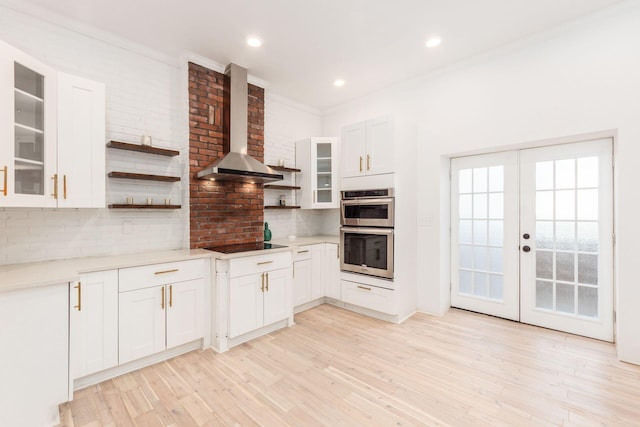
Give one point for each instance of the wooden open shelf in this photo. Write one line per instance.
(124, 206)
(282, 187)
(283, 169)
(282, 207)
(128, 175)
(142, 148)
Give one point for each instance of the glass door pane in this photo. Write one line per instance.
(28, 131)
(323, 172)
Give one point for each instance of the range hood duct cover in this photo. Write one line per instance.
(237, 165)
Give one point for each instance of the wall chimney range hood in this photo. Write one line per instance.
(237, 165)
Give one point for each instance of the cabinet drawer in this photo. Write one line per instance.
(302, 252)
(259, 263)
(159, 274)
(371, 297)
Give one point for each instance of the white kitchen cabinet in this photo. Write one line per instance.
(94, 323)
(253, 292)
(52, 141)
(258, 300)
(332, 285)
(318, 178)
(34, 354)
(367, 148)
(371, 297)
(28, 135)
(308, 273)
(81, 147)
(161, 306)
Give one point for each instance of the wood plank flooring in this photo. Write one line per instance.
(337, 368)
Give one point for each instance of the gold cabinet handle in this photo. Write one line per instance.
(267, 287)
(360, 163)
(364, 287)
(170, 295)
(368, 162)
(6, 173)
(265, 262)
(262, 282)
(64, 186)
(167, 271)
(79, 288)
(303, 252)
(162, 297)
(55, 186)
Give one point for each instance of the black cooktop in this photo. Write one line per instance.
(243, 247)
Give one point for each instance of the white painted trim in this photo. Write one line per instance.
(89, 31)
(218, 67)
(308, 305)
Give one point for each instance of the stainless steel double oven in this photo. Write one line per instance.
(366, 232)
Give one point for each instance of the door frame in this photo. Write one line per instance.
(445, 205)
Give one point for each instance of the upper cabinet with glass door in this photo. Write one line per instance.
(28, 146)
(52, 132)
(317, 160)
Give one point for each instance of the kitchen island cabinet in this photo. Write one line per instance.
(34, 355)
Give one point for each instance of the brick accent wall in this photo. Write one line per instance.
(222, 212)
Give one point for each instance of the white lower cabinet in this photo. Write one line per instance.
(332, 285)
(258, 300)
(94, 323)
(160, 317)
(308, 273)
(34, 351)
(161, 307)
(371, 297)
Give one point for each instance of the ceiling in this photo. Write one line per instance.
(310, 43)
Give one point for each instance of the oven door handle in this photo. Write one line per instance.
(367, 230)
(357, 202)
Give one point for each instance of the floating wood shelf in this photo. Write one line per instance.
(116, 206)
(283, 169)
(128, 175)
(282, 207)
(142, 148)
(282, 187)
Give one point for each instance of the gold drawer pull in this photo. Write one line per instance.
(265, 262)
(4, 188)
(79, 288)
(303, 252)
(364, 287)
(167, 271)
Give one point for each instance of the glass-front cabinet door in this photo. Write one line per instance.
(28, 126)
(325, 173)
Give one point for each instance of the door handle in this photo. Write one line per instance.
(79, 288)
(267, 287)
(368, 162)
(526, 236)
(170, 295)
(526, 249)
(162, 304)
(4, 187)
(360, 163)
(64, 186)
(262, 282)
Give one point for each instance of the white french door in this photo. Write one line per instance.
(532, 236)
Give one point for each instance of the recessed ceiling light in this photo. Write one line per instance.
(254, 41)
(433, 42)
(338, 83)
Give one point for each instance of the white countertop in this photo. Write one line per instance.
(46, 273)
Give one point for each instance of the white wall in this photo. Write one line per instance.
(578, 79)
(145, 93)
(285, 123)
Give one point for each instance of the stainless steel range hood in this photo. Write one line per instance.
(237, 165)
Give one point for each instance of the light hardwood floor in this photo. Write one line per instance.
(338, 368)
